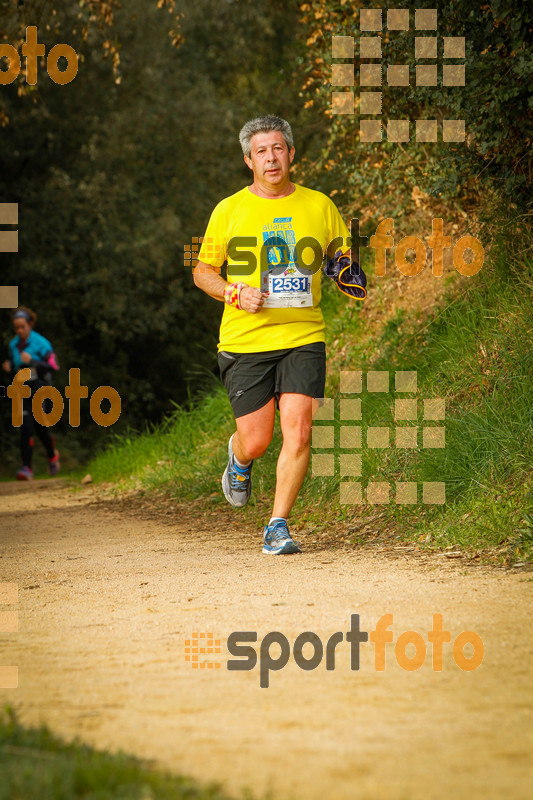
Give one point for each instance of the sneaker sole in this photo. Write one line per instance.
(286, 549)
(24, 478)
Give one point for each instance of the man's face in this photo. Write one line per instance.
(270, 158)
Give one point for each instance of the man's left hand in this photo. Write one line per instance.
(251, 299)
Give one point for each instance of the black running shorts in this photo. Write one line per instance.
(253, 379)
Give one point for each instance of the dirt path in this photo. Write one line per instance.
(107, 600)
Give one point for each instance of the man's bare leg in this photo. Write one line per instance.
(296, 418)
(254, 433)
(251, 439)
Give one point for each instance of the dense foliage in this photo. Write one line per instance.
(495, 103)
(117, 170)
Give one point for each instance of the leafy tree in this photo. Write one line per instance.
(117, 170)
(495, 104)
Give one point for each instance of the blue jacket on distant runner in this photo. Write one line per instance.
(43, 361)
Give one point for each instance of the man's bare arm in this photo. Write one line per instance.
(208, 278)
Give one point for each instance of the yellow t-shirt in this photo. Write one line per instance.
(291, 315)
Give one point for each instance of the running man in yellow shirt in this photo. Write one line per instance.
(273, 235)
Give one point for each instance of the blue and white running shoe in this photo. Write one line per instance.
(277, 539)
(236, 481)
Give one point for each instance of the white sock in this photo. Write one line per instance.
(242, 466)
(275, 519)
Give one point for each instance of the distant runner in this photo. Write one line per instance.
(272, 342)
(30, 349)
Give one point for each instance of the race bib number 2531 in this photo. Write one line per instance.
(282, 284)
(289, 291)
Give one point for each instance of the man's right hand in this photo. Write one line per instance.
(252, 299)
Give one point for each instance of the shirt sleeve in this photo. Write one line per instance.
(14, 355)
(213, 249)
(337, 230)
(45, 348)
(10, 357)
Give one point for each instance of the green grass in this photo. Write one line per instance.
(36, 764)
(475, 351)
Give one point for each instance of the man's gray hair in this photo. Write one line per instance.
(264, 125)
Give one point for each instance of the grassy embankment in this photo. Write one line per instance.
(474, 350)
(35, 763)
